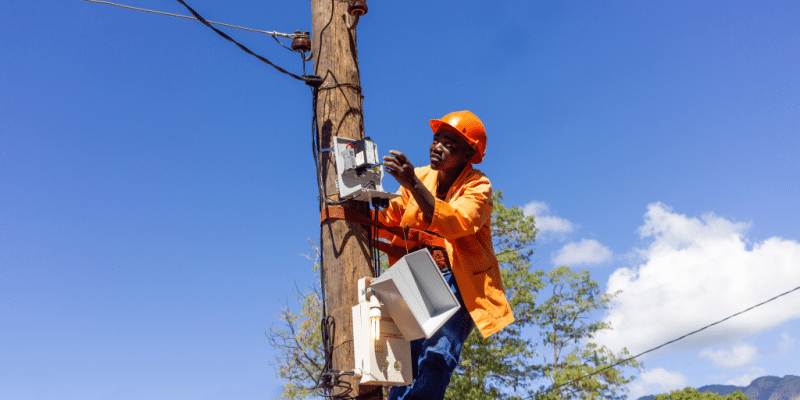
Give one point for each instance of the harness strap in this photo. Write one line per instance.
(415, 239)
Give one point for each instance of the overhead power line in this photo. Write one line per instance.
(308, 79)
(670, 342)
(271, 33)
(241, 46)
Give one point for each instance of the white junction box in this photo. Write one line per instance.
(416, 295)
(359, 172)
(382, 355)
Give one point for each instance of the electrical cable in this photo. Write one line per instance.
(271, 33)
(241, 46)
(274, 34)
(377, 260)
(302, 52)
(328, 378)
(669, 342)
(315, 150)
(377, 204)
(327, 321)
(373, 247)
(315, 153)
(282, 45)
(328, 324)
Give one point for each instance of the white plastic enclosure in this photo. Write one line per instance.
(385, 360)
(359, 172)
(416, 295)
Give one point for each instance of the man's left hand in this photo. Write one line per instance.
(398, 166)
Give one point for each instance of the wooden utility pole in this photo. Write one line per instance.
(345, 245)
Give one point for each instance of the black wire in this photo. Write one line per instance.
(328, 324)
(328, 333)
(377, 259)
(315, 153)
(315, 149)
(666, 343)
(282, 45)
(321, 33)
(328, 378)
(246, 50)
(375, 232)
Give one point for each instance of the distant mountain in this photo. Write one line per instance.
(764, 388)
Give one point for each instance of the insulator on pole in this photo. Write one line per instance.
(357, 8)
(301, 42)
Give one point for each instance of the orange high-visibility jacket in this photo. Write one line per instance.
(464, 220)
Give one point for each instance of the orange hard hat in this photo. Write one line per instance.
(469, 127)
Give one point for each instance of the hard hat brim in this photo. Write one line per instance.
(437, 125)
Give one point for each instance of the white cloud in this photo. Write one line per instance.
(695, 272)
(549, 223)
(787, 343)
(656, 381)
(545, 222)
(536, 208)
(588, 251)
(746, 379)
(737, 356)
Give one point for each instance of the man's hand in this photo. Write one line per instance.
(398, 166)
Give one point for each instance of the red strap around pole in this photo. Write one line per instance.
(414, 238)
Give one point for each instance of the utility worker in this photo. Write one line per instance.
(453, 200)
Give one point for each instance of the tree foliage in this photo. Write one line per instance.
(566, 326)
(504, 365)
(692, 394)
(508, 365)
(297, 340)
(515, 363)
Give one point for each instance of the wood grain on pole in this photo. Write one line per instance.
(345, 245)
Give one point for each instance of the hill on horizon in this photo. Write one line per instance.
(763, 388)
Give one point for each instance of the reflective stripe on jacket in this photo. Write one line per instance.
(464, 220)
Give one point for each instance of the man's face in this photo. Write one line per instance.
(449, 150)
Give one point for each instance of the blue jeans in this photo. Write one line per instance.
(434, 360)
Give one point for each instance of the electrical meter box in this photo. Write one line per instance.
(382, 356)
(359, 172)
(416, 295)
(360, 154)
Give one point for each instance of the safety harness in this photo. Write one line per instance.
(413, 239)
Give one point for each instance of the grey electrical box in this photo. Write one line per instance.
(358, 172)
(416, 295)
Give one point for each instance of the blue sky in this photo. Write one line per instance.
(157, 187)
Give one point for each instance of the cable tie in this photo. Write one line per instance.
(353, 86)
(313, 80)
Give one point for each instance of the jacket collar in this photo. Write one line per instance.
(433, 186)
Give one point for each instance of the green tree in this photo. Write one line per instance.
(566, 326)
(692, 394)
(506, 365)
(297, 341)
